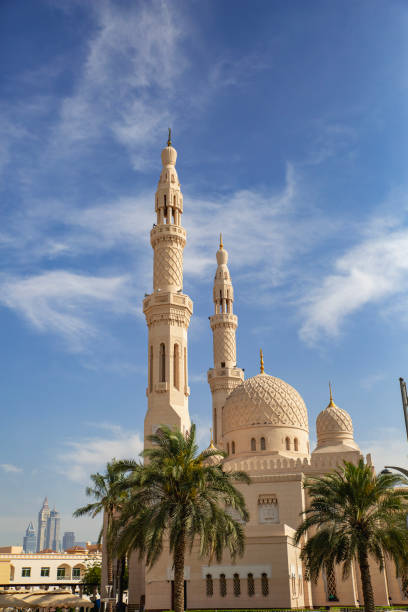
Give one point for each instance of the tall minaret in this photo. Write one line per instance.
(167, 309)
(225, 375)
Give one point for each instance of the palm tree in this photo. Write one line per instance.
(109, 498)
(354, 514)
(182, 496)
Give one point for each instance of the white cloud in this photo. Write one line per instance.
(59, 302)
(387, 446)
(90, 454)
(370, 272)
(9, 468)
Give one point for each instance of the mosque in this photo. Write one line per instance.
(262, 424)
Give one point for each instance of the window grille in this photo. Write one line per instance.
(209, 586)
(237, 585)
(265, 585)
(263, 445)
(76, 572)
(26, 572)
(251, 585)
(223, 585)
(253, 444)
(45, 571)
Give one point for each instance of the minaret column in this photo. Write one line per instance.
(224, 376)
(167, 309)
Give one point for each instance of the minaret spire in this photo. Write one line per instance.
(331, 403)
(262, 361)
(167, 309)
(225, 375)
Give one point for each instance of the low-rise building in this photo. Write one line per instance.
(46, 568)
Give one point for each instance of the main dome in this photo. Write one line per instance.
(264, 400)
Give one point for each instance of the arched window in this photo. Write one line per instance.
(227, 448)
(223, 585)
(176, 366)
(162, 363)
(263, 445)
(253, 444)
(237, 585)
(251, 585)
(209, 586)
(151, 370)
(165, 206)
(296, 444)
(233, 448)
(287, 442)
(265, 585)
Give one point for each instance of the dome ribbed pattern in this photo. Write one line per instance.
(333, 420)
(264, 400)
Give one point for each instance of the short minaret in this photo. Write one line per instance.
(167, 309)
(225, 375)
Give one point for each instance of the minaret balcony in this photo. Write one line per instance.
(175, 298)
(164, 231)
(225, 372)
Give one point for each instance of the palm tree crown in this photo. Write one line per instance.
(354, 514)
(180, 496)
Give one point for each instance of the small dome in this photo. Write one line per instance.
(169, 156)
(264, 400)
(334, 426)
(222, 256)
(214, 459)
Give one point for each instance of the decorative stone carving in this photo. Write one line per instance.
(264, 399)
(268, 509)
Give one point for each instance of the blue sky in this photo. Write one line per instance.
(290, 121)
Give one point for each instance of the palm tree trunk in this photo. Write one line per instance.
(366, 583)
(179, 553)
(110, 577)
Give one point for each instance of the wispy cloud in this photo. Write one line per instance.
(10, 468)
(370, 272)
(387, 447)
(90, 454)
(59, 302)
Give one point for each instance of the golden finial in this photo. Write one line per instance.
(262, 362)
(169, 139)
(331, 403)
(211, 440)
(221, 245)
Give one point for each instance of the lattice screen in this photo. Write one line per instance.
(209, 585)
(251, 585)
(237, 585)
(265, 585)
(223, 585)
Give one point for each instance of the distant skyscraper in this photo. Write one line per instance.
(53, 531)
(68, 540)
(30, 541)
(43, 516)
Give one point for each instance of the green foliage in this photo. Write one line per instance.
(92, 575)
(179, 493)
(176, 490)
(354, 515)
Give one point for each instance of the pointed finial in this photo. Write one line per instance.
(221, 245)
(169, 139)
(211, 438)
(331, 404)
(262, 361)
